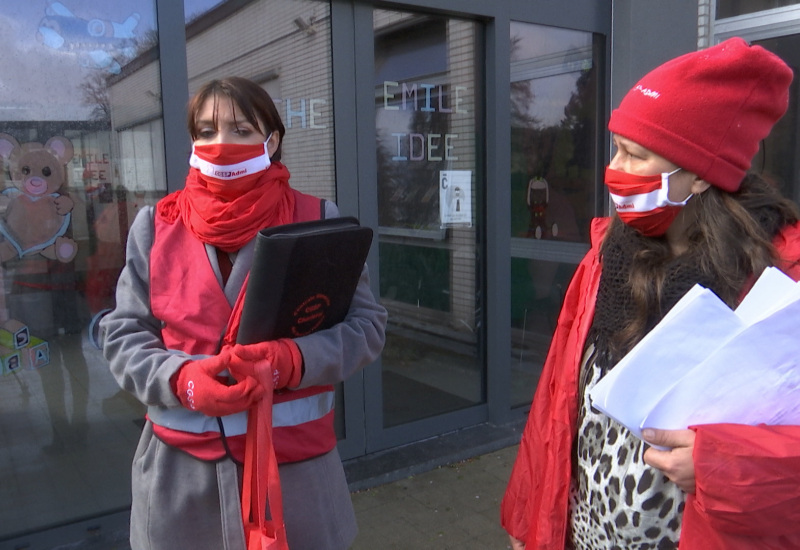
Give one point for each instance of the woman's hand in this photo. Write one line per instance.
(278, 361)
(516, 544)
(199, 387)
(676, 462)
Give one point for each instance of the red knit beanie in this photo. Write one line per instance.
(707, 111)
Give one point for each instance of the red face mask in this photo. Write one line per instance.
(229, 170)
(642, 201)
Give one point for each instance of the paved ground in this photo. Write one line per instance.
(456, 506)
(453, 506)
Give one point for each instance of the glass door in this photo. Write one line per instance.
(82, 151)
(556, 79)
(778, 158)
(428, 108)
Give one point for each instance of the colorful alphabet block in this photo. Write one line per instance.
(36, 354)
(10, 360)
(14, 334)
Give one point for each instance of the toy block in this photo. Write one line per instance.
(36, 354)
(14, 334)
(10, 360)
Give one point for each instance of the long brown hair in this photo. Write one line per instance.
(253, 102)
(730, 241)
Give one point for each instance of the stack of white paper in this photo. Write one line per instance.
(705, 363)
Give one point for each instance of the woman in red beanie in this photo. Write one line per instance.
(688, 212)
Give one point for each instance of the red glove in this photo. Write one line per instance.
(276, 360)
(198, 387)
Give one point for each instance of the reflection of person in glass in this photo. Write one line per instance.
(537, 197)
(687, 212)
(185, 265)
(550, 214)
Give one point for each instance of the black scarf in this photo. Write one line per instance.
(615, 308)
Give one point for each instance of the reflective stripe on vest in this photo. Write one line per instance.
(285, 414)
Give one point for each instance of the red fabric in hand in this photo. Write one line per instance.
(199, 388)
(282, 358)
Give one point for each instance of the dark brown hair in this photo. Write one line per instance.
(252, 100)
(730, 240)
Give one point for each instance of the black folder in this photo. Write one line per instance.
(303, 278)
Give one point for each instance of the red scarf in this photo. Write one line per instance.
(229, 225)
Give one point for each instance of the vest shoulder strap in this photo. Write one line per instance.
(308, 207)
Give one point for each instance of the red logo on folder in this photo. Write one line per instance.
(310, 314)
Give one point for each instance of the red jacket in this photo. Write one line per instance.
(748, 477)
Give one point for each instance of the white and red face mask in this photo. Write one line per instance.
(642, 202)
(230, 169)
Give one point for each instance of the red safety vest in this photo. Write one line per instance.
(194, 312)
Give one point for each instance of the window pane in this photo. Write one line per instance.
(779, 157)
(554, 135)
(82, 152)
(427, 109)
(732, 8)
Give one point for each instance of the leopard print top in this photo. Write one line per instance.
(616, 500)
